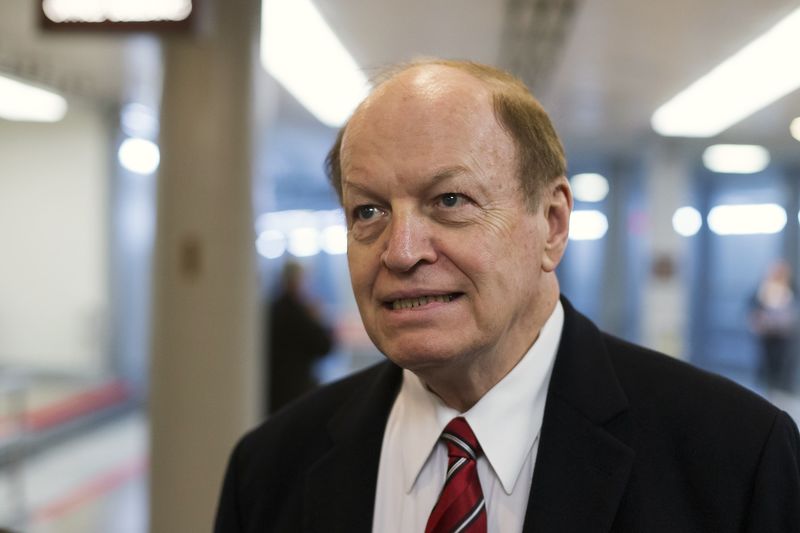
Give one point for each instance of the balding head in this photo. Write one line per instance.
(538, 151)
(452, 256)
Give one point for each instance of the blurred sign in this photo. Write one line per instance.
(117, 15)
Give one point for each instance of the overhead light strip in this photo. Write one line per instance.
(302, 233)
(301, 51)
(736, 158)
(20, 101)
(759, 74)
(747, 219)
(116, 11)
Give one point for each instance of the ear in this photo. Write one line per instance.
(556, 208)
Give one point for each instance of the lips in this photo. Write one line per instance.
(419, 301)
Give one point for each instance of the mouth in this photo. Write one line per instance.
(420, 301)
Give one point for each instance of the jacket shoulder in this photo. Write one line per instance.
(655, 380)
(702, 441)
(309, 415)
(269, 464)
(695, 418)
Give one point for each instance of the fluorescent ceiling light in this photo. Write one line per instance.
(736, 158)
(139, 155)
(587, 225)
(116, 10)
(589, 187)
(285, 221)
(687, 221)
(305, 56)
(334, 239)
(747, 219)
(304, 242)
(271, 244)
(794, 128)
(757, 75)
(309, 232)
(26, 103)
(139, 120)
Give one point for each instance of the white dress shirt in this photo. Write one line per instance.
(506, 421)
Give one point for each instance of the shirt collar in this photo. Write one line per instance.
(506, 421)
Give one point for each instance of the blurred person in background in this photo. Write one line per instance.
(500, 407)
(774, 318)
(297, 339)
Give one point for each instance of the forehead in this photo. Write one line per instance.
(431, 109)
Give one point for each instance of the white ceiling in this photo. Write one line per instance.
(609, 63)
(624, 58)
(617, 60)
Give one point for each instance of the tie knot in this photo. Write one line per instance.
(460, 440)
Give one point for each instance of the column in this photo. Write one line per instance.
(665, 305)
(205, 365)
(619, 308)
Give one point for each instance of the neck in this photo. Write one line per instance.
(461, 392)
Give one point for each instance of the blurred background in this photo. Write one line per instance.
(166, 225)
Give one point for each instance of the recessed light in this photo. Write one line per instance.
(587, 225)
(687, 221)
(736, 158)
(794, 128)
(139, 155)
(589, 187)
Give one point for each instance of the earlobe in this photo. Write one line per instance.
(557, 209)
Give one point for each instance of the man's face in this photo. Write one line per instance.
(445, 256)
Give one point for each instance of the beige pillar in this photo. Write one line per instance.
(665, 304)
(205, 367)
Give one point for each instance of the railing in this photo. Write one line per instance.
(14, 388)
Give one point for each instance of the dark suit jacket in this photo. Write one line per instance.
(632, 441)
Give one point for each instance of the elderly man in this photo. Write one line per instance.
(500, 407)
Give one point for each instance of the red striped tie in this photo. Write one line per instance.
(461, 508)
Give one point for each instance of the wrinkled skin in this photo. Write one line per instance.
(452, 271)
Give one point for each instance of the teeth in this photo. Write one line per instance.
(408, 303)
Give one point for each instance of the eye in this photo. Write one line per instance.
(451, 199)
(365, 212)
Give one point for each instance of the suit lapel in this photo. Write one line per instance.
(581, 468)
(340, 489)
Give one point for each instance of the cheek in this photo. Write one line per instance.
(507, 265)
(362, 267)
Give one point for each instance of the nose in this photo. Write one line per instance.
(409, 243)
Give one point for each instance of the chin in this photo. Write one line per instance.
(421, 358)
